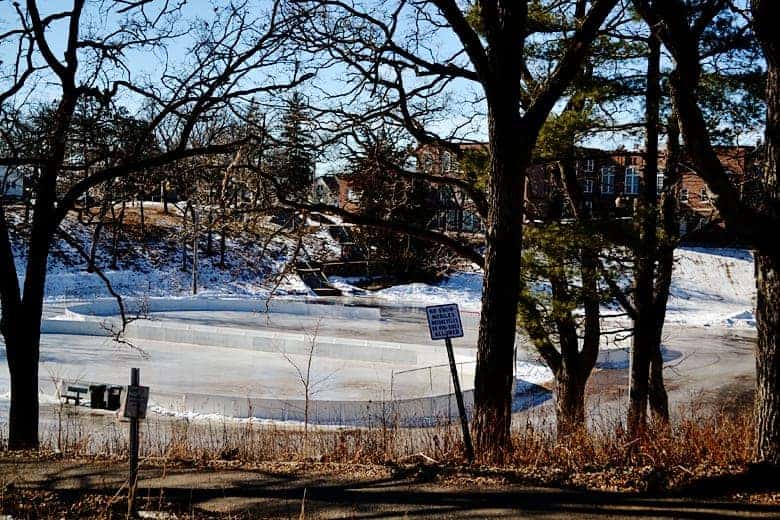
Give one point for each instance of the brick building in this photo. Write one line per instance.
(610, 182)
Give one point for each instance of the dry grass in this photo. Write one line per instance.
(702, 443)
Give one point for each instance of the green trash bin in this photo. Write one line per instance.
(114, 398)
(97, 396)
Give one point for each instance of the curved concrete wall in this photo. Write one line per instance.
(257, 340)
(109, 307)
(407, 412)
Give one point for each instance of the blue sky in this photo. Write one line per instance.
(148, 65)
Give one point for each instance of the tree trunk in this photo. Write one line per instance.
(768, 262)
(569, 401)
(184, 238)
(210, 234)
(118, 222)
(501, 285)
(164, 197)
(644, 347)
(143, 219)
(670, 219)
(96, 238)
(768, 359)
(22, 351)
(222, 245)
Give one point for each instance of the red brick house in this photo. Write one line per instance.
(610, 181)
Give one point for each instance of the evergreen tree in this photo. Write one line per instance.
(386, 195)
(294, 157)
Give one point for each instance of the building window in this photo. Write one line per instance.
(445, 194)
(413, 164)
(427, 162)
(588, 188)
(607, 180)
(659, 182)
(589, 165)
(704, 195)
(352, 196)
(632, 181)
(446, 162)
(684, 195)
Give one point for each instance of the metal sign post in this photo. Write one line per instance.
(135, 410)
(444, 323)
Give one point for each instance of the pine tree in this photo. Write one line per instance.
(384, 194)
(294, 157)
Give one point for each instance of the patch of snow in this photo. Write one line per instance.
(710, 287)
(465, 289)
(533, 373)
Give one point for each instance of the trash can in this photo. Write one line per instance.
(97, 396)
(114, 399)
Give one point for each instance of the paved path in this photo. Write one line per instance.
(373, 492)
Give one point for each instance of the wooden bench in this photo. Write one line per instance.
(73, 392)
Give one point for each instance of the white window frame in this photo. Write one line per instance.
(631, 172)
(590, 165)
(588, 187)
(607, 172)
(684, 195)
(660, 179)
(446, 162)
(704, 195)
(427, 162)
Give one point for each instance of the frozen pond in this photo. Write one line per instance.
(353, 363)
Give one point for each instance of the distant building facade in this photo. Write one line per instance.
(12, 182)
(610, 181)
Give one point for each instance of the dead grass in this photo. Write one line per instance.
(704, 443)
(702, 446)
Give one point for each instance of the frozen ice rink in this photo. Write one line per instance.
(242, 358)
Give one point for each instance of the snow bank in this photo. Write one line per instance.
(465, 289)
(710, 287)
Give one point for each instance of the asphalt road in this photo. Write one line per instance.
(355, 491)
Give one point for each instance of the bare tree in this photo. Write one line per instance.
(684, 31)
(230, 59)
(382, 48)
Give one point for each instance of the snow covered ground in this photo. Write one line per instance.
(710, 287)
(713, 287)
(254, 266)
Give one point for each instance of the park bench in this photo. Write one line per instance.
(73, 392)
(95, 395)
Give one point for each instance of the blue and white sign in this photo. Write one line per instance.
(444, 321)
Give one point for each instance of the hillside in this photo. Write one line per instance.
(710, 287)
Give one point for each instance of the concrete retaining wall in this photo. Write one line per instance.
(408, 412)
(257, 340)
(274, 342)
(109, 307)
(79, 327)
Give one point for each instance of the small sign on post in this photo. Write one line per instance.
(135, 409)
(136, 402)
(444, 323)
